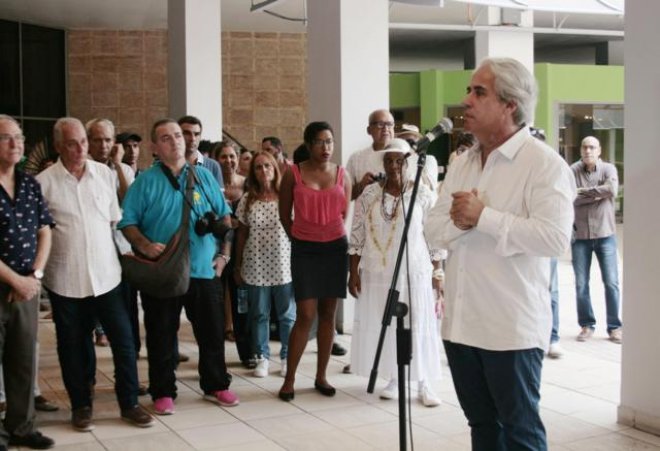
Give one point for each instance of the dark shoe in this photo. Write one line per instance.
(143, 390)
(183, 358)
(325, 390)
(137, 416)
(81, 419)
(33, 440)
(284, 396)
(338, 349)
(44, 405)
(250, 364)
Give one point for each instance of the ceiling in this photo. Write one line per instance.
(410, 26)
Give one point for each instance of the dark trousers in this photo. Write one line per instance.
(130, 296)
(204, 309)
(74, 323)
(499, 394)
(18, 336)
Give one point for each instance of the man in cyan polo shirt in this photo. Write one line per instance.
(152, 215)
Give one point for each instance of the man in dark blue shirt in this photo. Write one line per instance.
(25, 240)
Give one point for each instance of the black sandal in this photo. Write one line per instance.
(325, 390)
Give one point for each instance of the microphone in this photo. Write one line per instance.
(443, 126)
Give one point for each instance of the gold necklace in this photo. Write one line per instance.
(383, 251)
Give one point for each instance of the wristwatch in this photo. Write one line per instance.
(226, 258)
(38, 274)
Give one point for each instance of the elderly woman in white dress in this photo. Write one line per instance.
(378, 223)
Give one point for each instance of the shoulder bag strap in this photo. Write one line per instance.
(187, 202)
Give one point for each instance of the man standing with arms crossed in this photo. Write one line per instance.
(595, 231)
(504, 210)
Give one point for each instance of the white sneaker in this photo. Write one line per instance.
(555, 351)
(262, 367)
(427, 397)
(391, 391)
(283, 368)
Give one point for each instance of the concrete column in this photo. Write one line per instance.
(348, 70)
(512, 40)
(194, 63)
(348, 61)
(640, 397)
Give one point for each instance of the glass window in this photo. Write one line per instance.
(10, 81)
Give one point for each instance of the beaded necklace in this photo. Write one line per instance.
(390, 218)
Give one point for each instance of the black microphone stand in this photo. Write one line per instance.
(395, 308)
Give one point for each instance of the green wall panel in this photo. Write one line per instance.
(558, 83)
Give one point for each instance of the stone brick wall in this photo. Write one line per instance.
(119, 75)
(122, 75)
(264, 86)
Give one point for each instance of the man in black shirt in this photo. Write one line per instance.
(25, 239)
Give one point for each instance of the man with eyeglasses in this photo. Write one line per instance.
(365, 165)
(26, 231)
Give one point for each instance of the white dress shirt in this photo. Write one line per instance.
(83, 259)
(497, 274)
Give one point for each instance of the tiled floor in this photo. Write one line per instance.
(580, 394)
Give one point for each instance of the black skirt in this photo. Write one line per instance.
(319, 270)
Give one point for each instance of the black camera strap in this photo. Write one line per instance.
(187, 196)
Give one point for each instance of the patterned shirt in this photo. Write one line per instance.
(20, 219)
(267, 250)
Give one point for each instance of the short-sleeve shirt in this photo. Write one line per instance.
(267, 251)
(83, 259)
(154, 206)
(20, 220)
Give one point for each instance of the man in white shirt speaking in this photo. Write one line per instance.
(504, 210)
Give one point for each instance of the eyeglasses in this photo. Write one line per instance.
(320, 142)
(382, 124)
(5, 138)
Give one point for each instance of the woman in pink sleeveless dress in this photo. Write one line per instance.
(314, 199)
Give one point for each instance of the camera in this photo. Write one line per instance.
(211, 223)
(379, 177)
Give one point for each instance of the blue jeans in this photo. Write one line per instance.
(499, 394)
(554, 300)
(259, 316)
(606, 253)
(74, 323)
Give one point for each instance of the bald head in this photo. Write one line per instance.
(381, 128)
(590, 151)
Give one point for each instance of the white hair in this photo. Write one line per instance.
(514, 83)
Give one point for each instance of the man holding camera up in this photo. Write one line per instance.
(365, 166)
(152, 215)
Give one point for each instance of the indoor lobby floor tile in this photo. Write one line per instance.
(580, 394)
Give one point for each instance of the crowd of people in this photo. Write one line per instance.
(268, 242)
